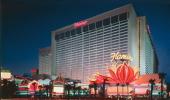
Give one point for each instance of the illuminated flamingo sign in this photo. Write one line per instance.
(79, 24)
(119, 56)
(124, 74)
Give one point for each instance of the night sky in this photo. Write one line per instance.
(27, 26)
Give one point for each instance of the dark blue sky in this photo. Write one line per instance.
(27, 24)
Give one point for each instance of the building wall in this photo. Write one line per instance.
(133, 40)
(79, 52)
(148, 57)
(45, 61)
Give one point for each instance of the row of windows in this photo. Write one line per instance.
(99, 24)
(92, 51)
(73, 33)
(98, 44)
(99, 38)
(122, 29)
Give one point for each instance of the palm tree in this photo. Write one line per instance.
(127, 84)
(123, 89)
(152, 83)
(90, 87)
(162, 77)
(104, 83)
(78, 89)
(68, 88)
(95, 88)
(117, 85)
(74, 88)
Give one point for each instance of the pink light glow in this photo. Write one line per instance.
(33, 70)
(141, 90)
(33, 86)
(79, 24)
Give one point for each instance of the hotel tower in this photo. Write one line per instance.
(85, 47)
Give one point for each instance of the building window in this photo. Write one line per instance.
(114, 19)
(85, 28)
(56, 37)
(92, 26)
(106, 21)
(123, 51)
(122, 31)
(123, 45)
(78, 30)
(67, 34)
(61, 36)
(122, 25)
(122, 16)
(73, 33)
(123, 39)
(98, 24)
(125, 27)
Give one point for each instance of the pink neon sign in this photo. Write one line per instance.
(79, 24)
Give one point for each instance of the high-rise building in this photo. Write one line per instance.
(81, 49)
(148, 57)
(45, 61)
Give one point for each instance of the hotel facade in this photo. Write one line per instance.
(83, 48)
(45, 61)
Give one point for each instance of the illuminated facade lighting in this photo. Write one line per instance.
(80, 24)
(80, 49)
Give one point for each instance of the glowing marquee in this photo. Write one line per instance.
(58, 89)
(79, 24)
(6, 75)
(118, 56)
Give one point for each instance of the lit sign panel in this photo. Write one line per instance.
(141, 90)
(79, 24)
(58, 89)
(118, 56)
(5, 75)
